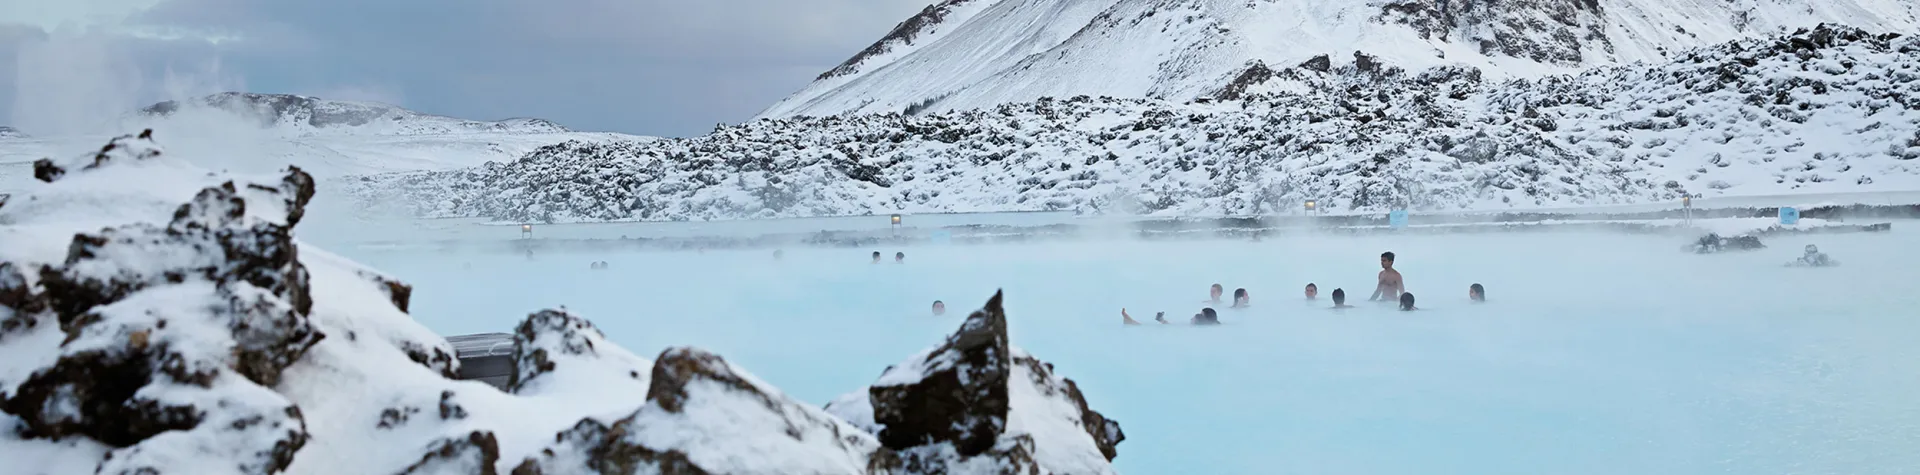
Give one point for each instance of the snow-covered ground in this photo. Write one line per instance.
(1822, 111)
(1596, 353)
(263, 133)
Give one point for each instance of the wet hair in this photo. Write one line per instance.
(939, 303)
(876, 254)
(1387, 255)
(1211, 315)
(1239, 293)
(1339, 296)
(1479, 292)
(899, 255)
(1311, 286)
(1215, 287)
(1406, 301)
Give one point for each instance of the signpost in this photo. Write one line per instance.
(526, 231)
(896, 225)
(1789, 215)
(1686, 203)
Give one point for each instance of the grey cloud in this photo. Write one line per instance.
(639, 66)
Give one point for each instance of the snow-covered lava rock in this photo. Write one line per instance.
(976, 404)
(1828, 110)
(159, 319)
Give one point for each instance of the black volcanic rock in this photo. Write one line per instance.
(475, 454)
(550, 339)
(956, 393)
(188, 338)
(698, 409)
(952, 408)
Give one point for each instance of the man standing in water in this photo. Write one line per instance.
(1390, 283)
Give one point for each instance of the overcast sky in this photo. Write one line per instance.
(654, 67)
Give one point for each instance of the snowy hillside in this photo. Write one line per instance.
(158, 318)
(261, 133)
(1823, 110)
(10, 133)
(303, 115)
(966, 54)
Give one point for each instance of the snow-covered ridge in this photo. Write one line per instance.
(1829, 109)
(7, 132)
(156, 318)
(978, 54)
(303, 115)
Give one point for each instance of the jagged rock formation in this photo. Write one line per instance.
(975, 54)
(975, 404)
(701, 415)
(314, 115)
(551, 344)
(173, 336)
(1752, 117)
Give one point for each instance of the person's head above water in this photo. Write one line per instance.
(899, 257)
(1386, 260)
(939, 308)
(1208, 315)
(1240, 297)
(876, 256)
(1312, 291)
(1215, 291)
(1477, 293)
(1812, 249)
(1406, 301)
(1339, 296)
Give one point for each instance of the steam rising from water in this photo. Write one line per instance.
(78, 82)
(1597, 353)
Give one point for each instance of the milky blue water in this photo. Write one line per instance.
(1597, 354)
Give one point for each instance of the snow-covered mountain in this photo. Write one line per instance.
(1830, 109)
(964, 54)
(303, 115)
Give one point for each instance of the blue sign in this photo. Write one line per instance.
(942, 237)
(1789, 215)
(1397, 219)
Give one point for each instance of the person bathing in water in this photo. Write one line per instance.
(1207, 316)
(1391, 285)
(1213, 294)
(1406, 302)
(1241, 299)
(1313, 292)
(939, 308)
(1476, 293)
(1340, 299)
(1813, 258)
(876, 257)
(899, 258)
